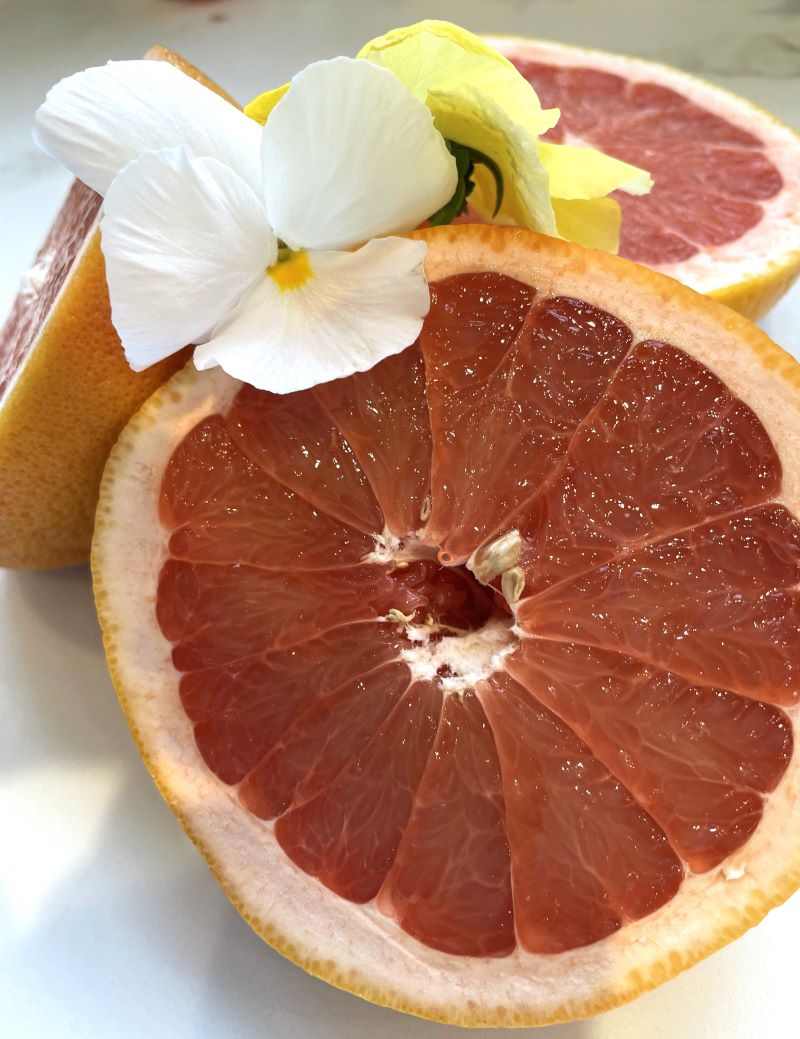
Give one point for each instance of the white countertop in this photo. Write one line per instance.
(110, 924)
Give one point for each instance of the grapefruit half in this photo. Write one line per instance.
(475, 676)
(724, 214)
(66, 389)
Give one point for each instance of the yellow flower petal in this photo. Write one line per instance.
(260, 107)
(478, 121)
(468, 41)
(480, 100)
(593, 222)
(577, 172)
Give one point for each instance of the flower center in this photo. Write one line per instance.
(292, 270)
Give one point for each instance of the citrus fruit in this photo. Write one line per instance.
(66, 389)
(475, 676)
(724, 214)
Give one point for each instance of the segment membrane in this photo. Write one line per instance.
(450, 884)
(348, 834)
(292, 439)
(383, 414)
(244, 710)
(241, 515)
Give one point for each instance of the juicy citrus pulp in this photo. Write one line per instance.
(66, 389)
(724, 214)
(476, 673)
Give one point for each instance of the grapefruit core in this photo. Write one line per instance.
(724, 214)
(66, 389)
(475, 676)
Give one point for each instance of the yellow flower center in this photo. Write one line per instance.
(292, 270)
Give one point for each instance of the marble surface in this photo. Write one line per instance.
(110, 924)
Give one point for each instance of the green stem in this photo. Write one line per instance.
(466, 160)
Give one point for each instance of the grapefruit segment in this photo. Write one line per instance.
(244, 710)
(699, 760)
(450, 882)
(468, 790)
(527, 407)
(348, 834)
(200, 607)
(666, 447)
(383, 416)
(584, 856)
(323, 740)
(716, 604)
(742, 173)
(241, 515)
(294, 441)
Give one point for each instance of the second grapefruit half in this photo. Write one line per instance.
(724, 214)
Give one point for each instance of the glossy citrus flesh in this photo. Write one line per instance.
(568, 776)
(711, 176)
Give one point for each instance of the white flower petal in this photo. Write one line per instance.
(183, 239)
(356, 309)
(97, 121)
(349, 154)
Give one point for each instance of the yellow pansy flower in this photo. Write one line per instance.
(480, 101)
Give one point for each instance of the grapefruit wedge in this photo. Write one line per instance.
(724, 215)
(66, 389)
(475, 676)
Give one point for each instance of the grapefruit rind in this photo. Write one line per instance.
(751, 273)
(355, 947)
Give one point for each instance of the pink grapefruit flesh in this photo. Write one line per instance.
(625, 738)
(724, 213)
(711, 176)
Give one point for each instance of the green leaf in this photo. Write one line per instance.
(466, 161)
(458, 202)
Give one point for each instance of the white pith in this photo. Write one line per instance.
(359, 946)
(461, 660)
(714, 268)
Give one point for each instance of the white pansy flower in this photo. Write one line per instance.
(241, 239)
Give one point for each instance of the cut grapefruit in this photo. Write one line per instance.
(724, 215)
(475, 677)
(66, 389)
